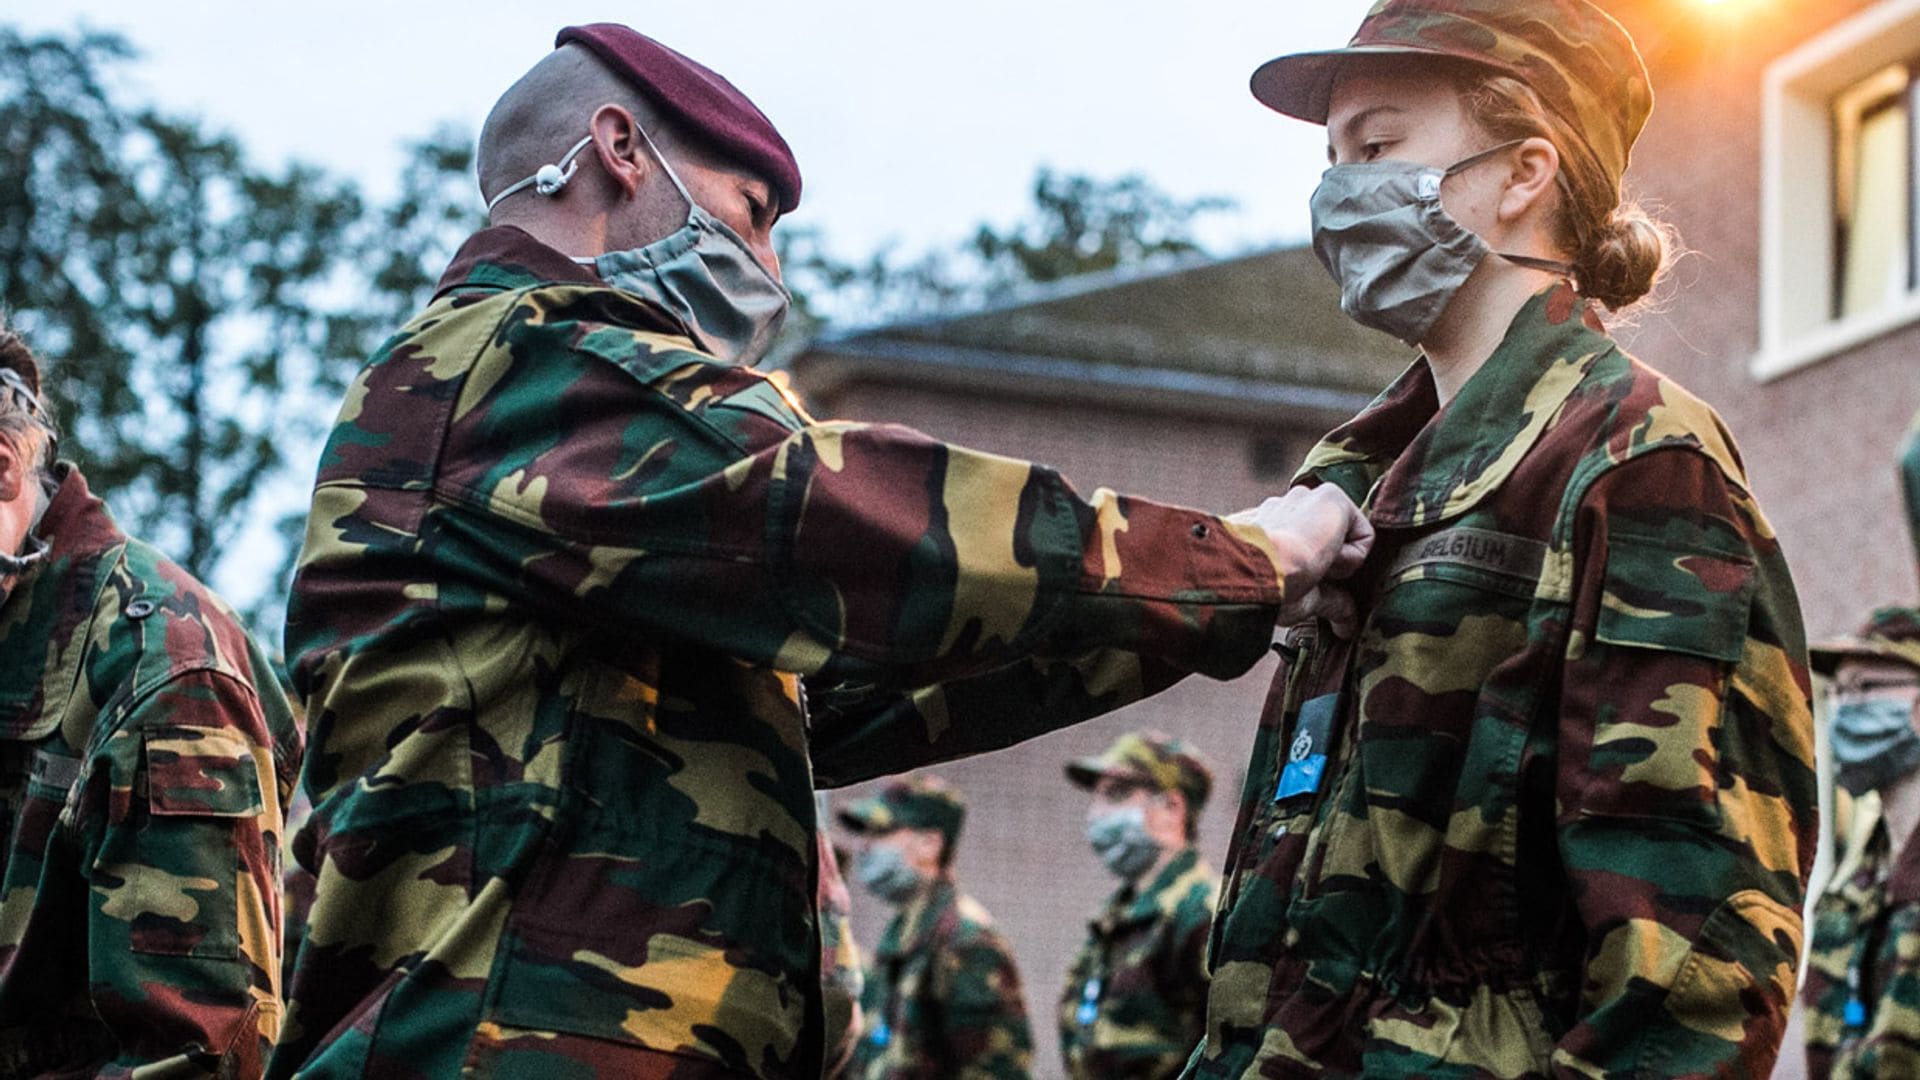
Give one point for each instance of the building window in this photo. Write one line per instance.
(1873, 193)
(1840, 262)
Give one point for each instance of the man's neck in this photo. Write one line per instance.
(1152, 873)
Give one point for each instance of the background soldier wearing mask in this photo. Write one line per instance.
(146, 753)
(1552, 810)
(568, 560)
(1862, 994)
(943, 997)
(1135, 1000)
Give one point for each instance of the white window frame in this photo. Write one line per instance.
(1797, 267)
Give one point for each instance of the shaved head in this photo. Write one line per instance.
(546, 112)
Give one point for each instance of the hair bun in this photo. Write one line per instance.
(1622, 263)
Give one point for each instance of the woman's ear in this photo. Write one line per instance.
(1536, 166)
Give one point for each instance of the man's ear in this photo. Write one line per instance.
(13, 472)
(1536, 167)
(619, 148)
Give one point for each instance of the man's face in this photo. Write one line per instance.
(1113, 793)
(1858, 680)
(741, 200)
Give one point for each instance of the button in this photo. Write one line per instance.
(139, 609)
(1200, 530)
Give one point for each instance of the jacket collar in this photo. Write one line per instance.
(1410, 463)
(916, 920)
(506, 257)
(44, 617)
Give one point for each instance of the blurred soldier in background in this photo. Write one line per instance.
(146, 756)
(1862, 994)
(1135, 1000)
(943, 997)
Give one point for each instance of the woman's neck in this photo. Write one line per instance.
(1476, 322)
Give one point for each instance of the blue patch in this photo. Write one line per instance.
(1856, 1014)
(1307, 752)
(881, 1035)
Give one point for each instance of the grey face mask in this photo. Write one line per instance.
(703, 273)
(1121, 840)
(884, 872)
(1398, 256)
(1874, 744)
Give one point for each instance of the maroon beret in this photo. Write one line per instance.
(698, 99)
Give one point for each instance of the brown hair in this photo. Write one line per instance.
(1619, 251)
(27, 425)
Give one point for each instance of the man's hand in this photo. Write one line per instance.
(1321, 537)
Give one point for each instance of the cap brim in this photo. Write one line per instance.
(1825, 657)
(1085, 773)
(855, 818)
(1300, 85)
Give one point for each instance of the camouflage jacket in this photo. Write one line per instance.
(843, 972)
(145, 754)
(1861, 1000)
(1551, 813)
(1137, 993)
(562, 579)
(943, 997)
(1910, 483)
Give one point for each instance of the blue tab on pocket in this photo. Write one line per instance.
(1307, 754)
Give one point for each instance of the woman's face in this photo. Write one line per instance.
(1378, 114)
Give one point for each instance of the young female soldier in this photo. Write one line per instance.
(1551, 810)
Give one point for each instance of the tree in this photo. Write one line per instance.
(187, 302)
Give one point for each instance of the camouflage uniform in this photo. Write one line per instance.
(1136, 994)
(943, 997)
(1910, 481)
(842, 971)
(1552, 811)
(145, 755)
(1861, 1000)
(562, 579)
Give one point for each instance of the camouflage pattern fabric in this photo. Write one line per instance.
(563, 579)
(1890, 633)
(1152, 759)
(1862, 995)
(943, 997)
(1136, 995)
(842, 971)
(1552, 811)
(1910, 483)
(145, 755)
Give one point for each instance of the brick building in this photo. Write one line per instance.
(1782, 146)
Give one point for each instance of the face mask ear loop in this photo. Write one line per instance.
(549, 179)
(666, 168)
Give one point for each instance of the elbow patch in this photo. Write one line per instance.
(1730, 998)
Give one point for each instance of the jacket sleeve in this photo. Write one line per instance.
(184, 922)
(1687, 803)
(602, 478)
(860, 733)
(983, 1010)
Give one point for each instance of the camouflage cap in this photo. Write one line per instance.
(920, 802)
(1890, 633)
(1156, 760)
(1579, 60)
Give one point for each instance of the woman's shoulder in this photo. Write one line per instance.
(1625, 409)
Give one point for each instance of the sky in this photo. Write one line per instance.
(912, 122)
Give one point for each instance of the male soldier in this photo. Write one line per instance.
(568, 560)
(1135, 1001)
(1862, 994)
(145, 755)
(943, 998)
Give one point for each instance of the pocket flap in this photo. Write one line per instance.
(203, 771)
(1662, 595)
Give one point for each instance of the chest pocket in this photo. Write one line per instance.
(1443, 703)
